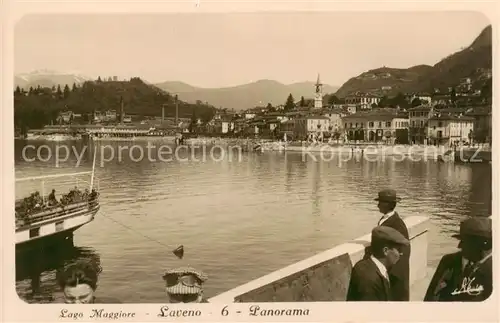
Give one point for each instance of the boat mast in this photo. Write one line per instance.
(43, 192)
(93, 170)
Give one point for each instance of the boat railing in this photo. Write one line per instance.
(55, 211)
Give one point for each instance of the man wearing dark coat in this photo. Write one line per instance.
(465, 276)
(369, 277)
(400, 273)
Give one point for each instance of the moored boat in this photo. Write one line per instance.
(42, 220)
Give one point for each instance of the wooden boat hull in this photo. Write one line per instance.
(46, 242)
(54, 229)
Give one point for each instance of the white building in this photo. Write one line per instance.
(378, 125)
(449, 129)
(249, 115)
(335, 118)
(419, 116)
(363, 101)
(424, 98)
(310, 124)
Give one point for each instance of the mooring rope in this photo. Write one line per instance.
(133, 230)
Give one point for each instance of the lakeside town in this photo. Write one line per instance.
(272, 227)
(461, 116)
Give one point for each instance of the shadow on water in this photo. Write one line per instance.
(36, 269)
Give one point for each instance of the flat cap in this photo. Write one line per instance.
(187, 271)
(477, 226)
(175, 284)
(385, 233)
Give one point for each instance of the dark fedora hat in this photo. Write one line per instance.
(388, 195)
(388, 234)
(477, 226)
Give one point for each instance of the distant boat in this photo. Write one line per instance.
(62, 137)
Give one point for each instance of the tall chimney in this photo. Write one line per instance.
(121, 112)
(162, 113)
(176, 111)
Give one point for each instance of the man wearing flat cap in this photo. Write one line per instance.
(184, 285)
(370, 278)
(400, 273)
(465, 276)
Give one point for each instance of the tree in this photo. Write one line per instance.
(270, 108)
(73, 89)
(486, 91)
(333, 99)
(99, 79)
(35, 111)
(85, 118)
(399, 101)
(17, 91)
(453, 96)
(330, 133)
(30, 91)
(336, 135)
(59, 92)
(374, 106)
(290, 103)
(302, 102)
(66, 91)
(193, 123)
(53, 88)
(384, 102)
(416, 102)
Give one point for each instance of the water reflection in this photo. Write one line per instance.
(36, 269)
(263, 213)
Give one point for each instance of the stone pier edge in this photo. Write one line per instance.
(418, 227)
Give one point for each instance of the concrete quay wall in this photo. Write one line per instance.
(464, 154)
(325, 276)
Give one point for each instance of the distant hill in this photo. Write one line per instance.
(244, 96)
(384, 80)
(47, 78)
(41, 105)
(474, 61)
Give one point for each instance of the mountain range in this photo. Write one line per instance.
(474, 61)
(238, 97)
(48, 78)
(245, 96)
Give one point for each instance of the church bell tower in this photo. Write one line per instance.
(318, 98)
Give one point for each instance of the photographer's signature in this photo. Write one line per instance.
(468, 288)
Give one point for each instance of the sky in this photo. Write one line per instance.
(227, 49)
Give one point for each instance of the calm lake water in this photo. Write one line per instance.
(239, 220)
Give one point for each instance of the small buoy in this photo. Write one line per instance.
(179, 251)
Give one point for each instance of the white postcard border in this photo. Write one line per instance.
(15, 310)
